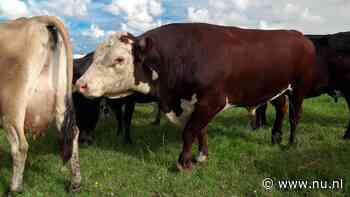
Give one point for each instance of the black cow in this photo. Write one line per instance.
(197, 70)
(331, 74)
(88, 110)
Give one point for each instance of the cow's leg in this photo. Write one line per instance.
(118, 110)
(87, 125)
(75, 165)
(261, 116)
(252, 116)
(347, 98)
(158, 115)
(129, 110)
(199, 119)
(93, 113)
(203, 145)
(13, 124)
(87, 114)
(19, 148)
(295, 110)
(84, 137)
(281, 108)
(66, 124)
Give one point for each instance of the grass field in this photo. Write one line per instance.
(238, 162)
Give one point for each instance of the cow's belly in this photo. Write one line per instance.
(40, 109)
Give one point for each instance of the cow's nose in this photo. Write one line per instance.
(83, 87)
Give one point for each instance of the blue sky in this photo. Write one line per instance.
(91, 21)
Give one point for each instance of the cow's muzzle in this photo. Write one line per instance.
(81, 86)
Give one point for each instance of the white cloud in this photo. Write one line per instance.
(93, 32)
(19, 8)
(201, 15)
(73, 8)
(306, 15)
(268, 14)
(225, 12)
(138, 15)
(242, 4)
(265, 25)
(77, 8)
(13, 8)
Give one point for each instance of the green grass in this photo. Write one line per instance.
(239, 158)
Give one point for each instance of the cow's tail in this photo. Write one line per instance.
(68, 131)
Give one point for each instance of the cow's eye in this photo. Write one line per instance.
(119, 60)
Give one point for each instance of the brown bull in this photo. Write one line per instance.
(197, 70)
(35, 89)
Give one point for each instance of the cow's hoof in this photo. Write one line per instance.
(292, 144)
(86, 141)
(346, 136)
(127, 141)
(156, 122)
(184, 163)
(256, 125)
(276, 138)
(253, 126)
(10, 193)
(184, 168)
(73, 188)
(201, 158)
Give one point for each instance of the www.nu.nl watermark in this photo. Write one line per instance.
(269, 184)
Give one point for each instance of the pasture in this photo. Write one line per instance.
(239, 159)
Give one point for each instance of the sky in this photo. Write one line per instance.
(90, 21)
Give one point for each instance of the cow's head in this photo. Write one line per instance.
(113, 72)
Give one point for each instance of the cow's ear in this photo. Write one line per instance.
(127, 38)
(145, 44)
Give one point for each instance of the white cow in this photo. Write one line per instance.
(35, 89)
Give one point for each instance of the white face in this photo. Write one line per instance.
(112, 72)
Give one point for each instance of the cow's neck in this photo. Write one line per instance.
(147, 80)
(146, 85)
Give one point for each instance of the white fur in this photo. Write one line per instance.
(201, 158)
(188, 107)
(120, 95)
(115, 81)
(154, 75)
(252, 111)
(289, 88)
(144, 88)
(59, 80)
(227, 105)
